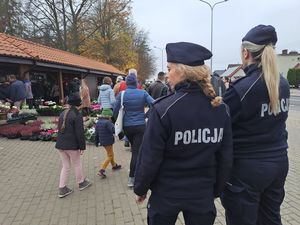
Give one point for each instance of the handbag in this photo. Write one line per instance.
(119, 121)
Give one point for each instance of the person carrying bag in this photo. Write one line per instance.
(119, 121)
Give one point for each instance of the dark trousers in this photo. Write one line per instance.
(85, 111)
(135, 136)
(164, 211)
(29, 102)
(255, 192)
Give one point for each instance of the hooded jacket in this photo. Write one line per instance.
(106, 97)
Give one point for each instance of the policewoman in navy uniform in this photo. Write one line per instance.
(259, 104)
(186, 154)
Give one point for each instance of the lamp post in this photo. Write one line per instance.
(211, 24)
(162, 57)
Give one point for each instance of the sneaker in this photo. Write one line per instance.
(63, 192)
(126, 144)
(130, 182)
(116, 167)
(84, 184)
(102, 173)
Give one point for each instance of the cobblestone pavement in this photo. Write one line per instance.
(295, 92)
(29, 179)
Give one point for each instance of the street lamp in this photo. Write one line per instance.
(211, 24)
(162, 57)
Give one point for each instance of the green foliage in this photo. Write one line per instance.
(293, 77)
(50, 111)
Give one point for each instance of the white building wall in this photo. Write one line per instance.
(286, 62)
(240, 73)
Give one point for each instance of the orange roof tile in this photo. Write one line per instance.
(16, 47)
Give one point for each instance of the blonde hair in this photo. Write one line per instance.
(265, 56)
(84, 83)
(84, 88)
(201, 75)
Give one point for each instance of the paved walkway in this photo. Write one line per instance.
(295, 92)
(29, 179)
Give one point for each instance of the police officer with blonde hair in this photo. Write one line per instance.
(186, 154)
(259, 105)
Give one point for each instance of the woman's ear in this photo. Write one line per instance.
(246, 54)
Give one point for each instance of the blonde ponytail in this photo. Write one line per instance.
(265, 56)
(271, 76)
(201, 75)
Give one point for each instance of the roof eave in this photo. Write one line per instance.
(19, 60)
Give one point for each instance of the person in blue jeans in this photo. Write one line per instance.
(134, 118)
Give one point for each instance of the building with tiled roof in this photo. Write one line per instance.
(47, 65)
(287, 60)
(234, 72)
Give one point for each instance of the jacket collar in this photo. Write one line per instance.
(188, 86)
(74, 108)
(252, 68)
(132, 86)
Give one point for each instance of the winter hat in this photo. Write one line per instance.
(106, 113)
(131, 79)
(119, 78)
(74, 99)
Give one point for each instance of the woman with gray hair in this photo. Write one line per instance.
(259, 105)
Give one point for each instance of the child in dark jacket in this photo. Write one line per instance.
(105, 136)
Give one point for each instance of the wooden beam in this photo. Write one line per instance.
(24, 72)
(61, 88)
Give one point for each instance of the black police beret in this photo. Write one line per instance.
(261, 35)
(187, 53)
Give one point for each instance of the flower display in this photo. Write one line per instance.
(53, 110)
(89, 131)
(4, 107)
(49, 103)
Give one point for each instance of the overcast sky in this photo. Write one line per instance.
(189, 20)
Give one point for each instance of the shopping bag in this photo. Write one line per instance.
(119, 121)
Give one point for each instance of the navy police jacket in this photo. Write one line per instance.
(187, 147)
(257, 133)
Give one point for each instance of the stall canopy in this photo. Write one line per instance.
(20, 51)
